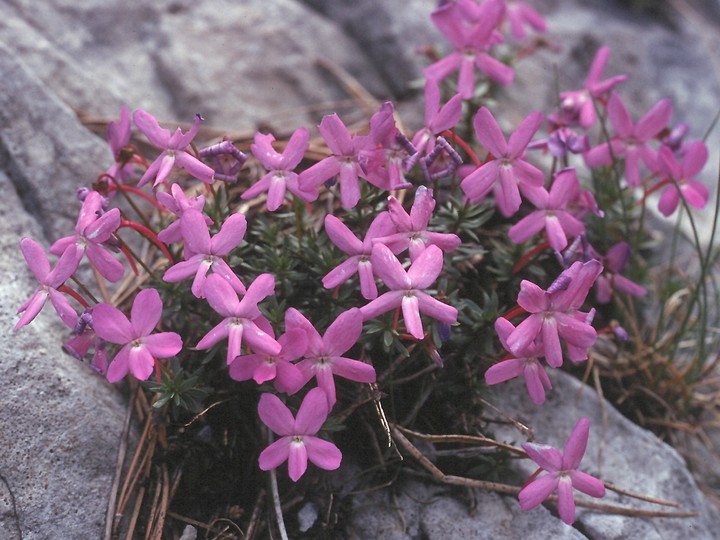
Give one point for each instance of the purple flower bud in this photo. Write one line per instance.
(560, 284)
(82, 193)
(676, 136)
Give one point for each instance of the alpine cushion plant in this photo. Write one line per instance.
(423, 264)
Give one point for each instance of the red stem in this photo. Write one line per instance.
(76, 295)
(465, 146)
(150, 235)
(529, 255)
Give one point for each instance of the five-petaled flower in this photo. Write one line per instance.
(203, 253)
(631, 140)
(471, 39)
(323, 357)
(280, 176)
(552, 213)
(174, 150)
(140, 347)
(407, 289)
(298, 441)
(525, 363)
(562, 473)
(682, 177)
(94, 228)
(49, 280)
(359, 260)
(555, 313)
(506, 170)
(243, 319)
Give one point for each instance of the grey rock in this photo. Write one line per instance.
(238, 64)
(619, 452)
(44, 150)
(61, 422)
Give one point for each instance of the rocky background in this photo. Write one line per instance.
(282, 64)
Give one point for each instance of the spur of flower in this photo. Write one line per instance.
(298, 441)
(562, 474)
(140, 346)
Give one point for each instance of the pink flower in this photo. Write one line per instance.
(520, 15)
(437, 118)
(274, 367)
(471, 39)
(555, 313)
(118, 136)
(552, 213)
(174, 150)
(526, 363)
(280, 167)
(359, 261)
(631, 140)
(411, 228)
(578, 104)
(93, 229)
(610, 280)
(562, 474)
(140, 347)
(507, 170)
(242, 317)
(50, 281)
(407, 289)
(682, 175)
(323, 357)
(178, 203)
(343, 163)
(204, 253)
(297, 442)
(385, 153)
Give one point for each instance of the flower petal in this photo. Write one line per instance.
(322, 453)
(275, 415)
(537, 491)
(312, 413)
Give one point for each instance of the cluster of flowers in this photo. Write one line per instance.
(655, 157)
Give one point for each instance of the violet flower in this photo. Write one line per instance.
(411, 228)
(359, 260)
(140, 347)
(682, 175)
(323, 358)
(204, 253)
(556, 314)
(343, 163)
(552, 213)
(280, 176)
(118, 136)
(437, 118)
(242, 316)
(385, 153)
(507, 171)
(85, 338)
(578, 105)
(472, 40)
(174, 150)
(631, 140)
(178, 203)
(526, 363)
(49, 281)
(562, 473)
(407, 289)
(610, 280)
(274, 367)
(521, 15)
(298, 441)
(94, 228)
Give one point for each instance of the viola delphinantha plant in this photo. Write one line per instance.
(380, 265)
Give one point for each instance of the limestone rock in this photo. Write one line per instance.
(60, 422)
